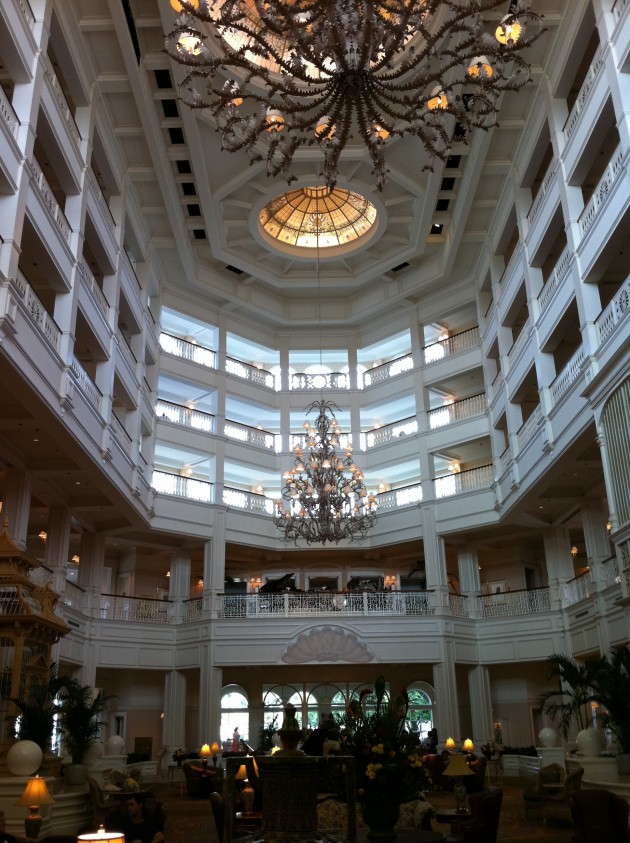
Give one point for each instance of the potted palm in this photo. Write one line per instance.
(572, 702)
(80, 723)
(611, 689)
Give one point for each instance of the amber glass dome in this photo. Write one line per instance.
(304, 216)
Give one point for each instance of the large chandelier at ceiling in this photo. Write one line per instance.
(280, 75)
(325, 499)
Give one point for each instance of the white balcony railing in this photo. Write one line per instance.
(36, 310)
(188, 350)
(115, 607)
(8, 114)
(398, 498)
(29, 17)
(86, 384)
(543, 190)
(458, 604)
(49, 199)
(320, 380)
(386, 371)
(60, 98)
(251, 435)
(560, 270)
(249, 501)
(192, 609)
(611, 572)
(102, 202)
(95, 291)
(250, 373)
(389, 432)
(509, 603)
(602, 191)
(178, 414)
(528, 428)
(465, 481)
(616, 310)
(324, 604)
(519, 343)
(567, 377)
(451, 345)
(589, 81)
(579, 588)
(457, 411)
(165, 483)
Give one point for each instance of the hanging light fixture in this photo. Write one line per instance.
(324, 498)
(279, 76)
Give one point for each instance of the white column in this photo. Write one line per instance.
(480, 704)
(16, 504)
(179, 581)
(446, 715)
(468, 566)
(435, 558)
(57, 545)
(174, 723)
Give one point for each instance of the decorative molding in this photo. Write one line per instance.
(327, 644)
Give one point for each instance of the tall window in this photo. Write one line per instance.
(234, 713)
(420, 714)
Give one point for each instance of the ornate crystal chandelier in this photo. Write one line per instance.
(326, 500)
(279, 75)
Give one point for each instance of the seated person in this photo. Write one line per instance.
(134, 825)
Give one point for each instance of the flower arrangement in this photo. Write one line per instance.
(388, 760)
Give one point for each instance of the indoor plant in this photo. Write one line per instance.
(611, 689)
(80, 722)
(389, 768)
(572, 701)
(36, 710)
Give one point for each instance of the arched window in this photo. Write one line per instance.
(234, 713)
(420, 714)
(274, 700)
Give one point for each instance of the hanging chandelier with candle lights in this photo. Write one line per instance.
(281, 75)
(324, 498)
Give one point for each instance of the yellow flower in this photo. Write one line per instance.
(379, 749)
(372, 770)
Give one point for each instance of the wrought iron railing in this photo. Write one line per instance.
(505, 604)
(138, 609)
(326, 603)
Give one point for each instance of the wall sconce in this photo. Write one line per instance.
(574, 551)
(200, 582)
(35, 794)
(168, 574)
(76, 559)
(608, 526)
(43, 535)
(454, 468)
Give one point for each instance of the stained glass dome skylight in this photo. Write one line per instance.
(334, 216)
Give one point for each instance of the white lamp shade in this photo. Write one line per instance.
(24, 758)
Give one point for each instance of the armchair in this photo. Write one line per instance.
(549, 774)
(599, 815)
(483, 825)
(556, 806)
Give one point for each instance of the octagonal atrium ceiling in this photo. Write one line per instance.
(201, 205)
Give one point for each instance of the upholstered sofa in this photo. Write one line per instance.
(332, 815)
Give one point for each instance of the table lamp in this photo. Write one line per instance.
(35, 794)
(205, 753)
(247, 791)
(102, 835)
(450, 744)
(468, 745)
(215, 749)
(457, 769)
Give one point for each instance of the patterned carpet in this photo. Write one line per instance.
(190, 820)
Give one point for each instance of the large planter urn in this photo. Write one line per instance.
(380, 816)
(590, 742)
(75, 774)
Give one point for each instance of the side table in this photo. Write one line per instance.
(452, 817)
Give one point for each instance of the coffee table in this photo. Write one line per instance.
(450, 815)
